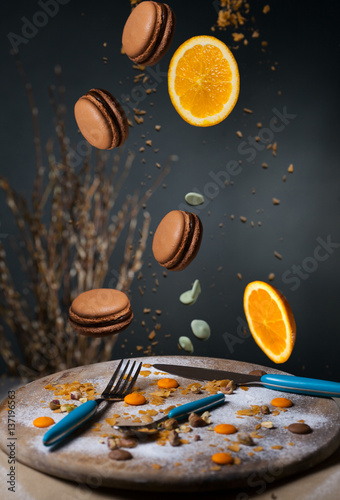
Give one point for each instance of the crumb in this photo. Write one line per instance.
(237, 36)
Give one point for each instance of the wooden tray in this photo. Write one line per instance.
(84, 459)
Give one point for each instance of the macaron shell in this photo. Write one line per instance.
(103, 124)
(140, 29)
(148, 32)
(177, 240)
(166, 40)
(119, 114)
(93, 123)
(104, 304)
(194, 247)
(94, 313)
(103, 331)
(168, 237)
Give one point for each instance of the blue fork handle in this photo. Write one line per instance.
(201, 405)
(70, 423)
(301, 385)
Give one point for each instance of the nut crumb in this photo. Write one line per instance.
(174, 438)
(267, 425)
(196, 421)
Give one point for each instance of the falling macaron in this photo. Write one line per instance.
(148, 32)
(101, 119)
(100, 312)
(177, 240)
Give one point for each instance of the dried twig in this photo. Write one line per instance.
(69, 235)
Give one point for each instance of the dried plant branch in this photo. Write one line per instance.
(70, 235)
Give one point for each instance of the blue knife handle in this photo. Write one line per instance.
(70, 423)
(200, 404)
(301, 385)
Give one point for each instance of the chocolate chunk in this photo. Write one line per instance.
(299, 428)
(120, 454)
(258, 373)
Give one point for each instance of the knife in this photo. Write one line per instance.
(286, 383)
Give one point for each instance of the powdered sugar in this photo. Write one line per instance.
(192, 457)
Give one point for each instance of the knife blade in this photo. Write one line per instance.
(286, 383)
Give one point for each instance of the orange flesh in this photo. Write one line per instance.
(222, 458)
(201, 73)
(167, 383)
(135, 399)
(43, 422)
(225, 429)
(282, 402)
(272, 332)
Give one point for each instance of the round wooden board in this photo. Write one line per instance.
(189, 467)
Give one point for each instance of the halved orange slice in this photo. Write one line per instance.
(270, 320)
(203, 81)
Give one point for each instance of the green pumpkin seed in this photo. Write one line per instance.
(190, 296)
(194, 199)
(200, 329)
(186, 344)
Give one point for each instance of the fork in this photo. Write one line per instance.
(85, 411)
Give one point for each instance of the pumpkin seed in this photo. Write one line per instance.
(190, 296)
(194, 199)
(186, 344)
(200, 329)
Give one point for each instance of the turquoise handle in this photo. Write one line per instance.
(70, 423)
(301, 385)
(200, 404)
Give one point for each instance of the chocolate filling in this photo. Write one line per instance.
(121, 319)
(189, 239)
(160, 34)
(102, 101)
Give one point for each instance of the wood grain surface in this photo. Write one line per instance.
(84, 459)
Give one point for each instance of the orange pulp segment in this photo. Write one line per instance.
(203, 81)
(270, 320)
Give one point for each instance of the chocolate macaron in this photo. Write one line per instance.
(148, 32)
(101, 119)
(100, 312)
(177, 240)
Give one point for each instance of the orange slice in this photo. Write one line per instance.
(203, 81)
(270, 320)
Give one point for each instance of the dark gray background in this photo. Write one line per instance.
(302, 38)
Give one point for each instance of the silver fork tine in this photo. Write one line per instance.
(116, 389)
(126, 381)
(128, 389)
(115, 374)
